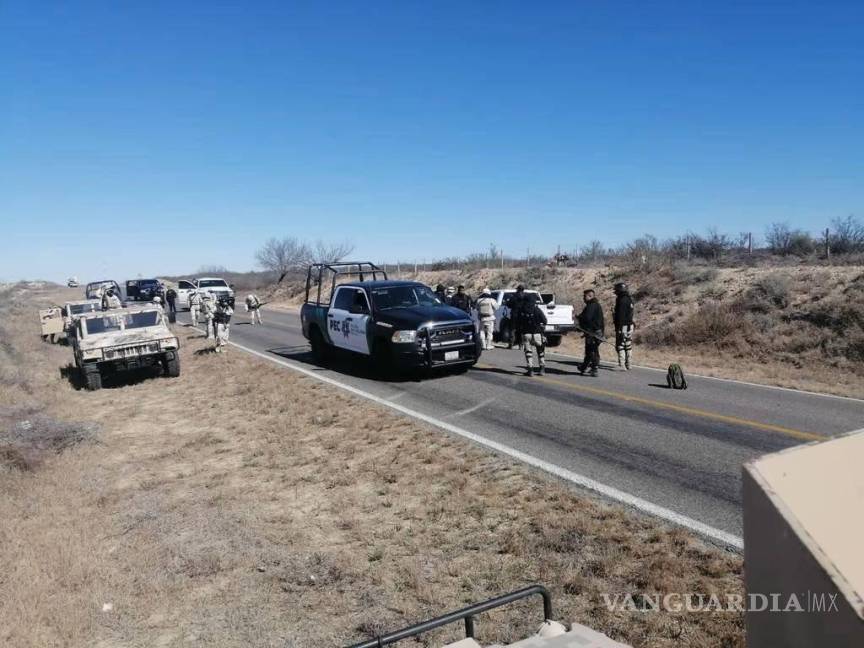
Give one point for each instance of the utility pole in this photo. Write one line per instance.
(415, 267)
(827, 244)
(502, 258)
(750, 243)
(688, 247)
(527, 257)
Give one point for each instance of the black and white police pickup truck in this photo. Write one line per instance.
(400, 325)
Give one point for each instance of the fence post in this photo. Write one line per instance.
(827, 244)
(750, 243)
(502, 258)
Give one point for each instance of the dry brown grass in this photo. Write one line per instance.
(241, 504)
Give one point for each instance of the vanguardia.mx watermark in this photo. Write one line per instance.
(753, 602)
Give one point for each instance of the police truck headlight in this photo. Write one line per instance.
(404, 337)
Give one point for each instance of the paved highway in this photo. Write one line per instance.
(680, 450)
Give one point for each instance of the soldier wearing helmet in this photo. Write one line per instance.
(110, 300)
(208, 310)
(623, 318)
(253, 307)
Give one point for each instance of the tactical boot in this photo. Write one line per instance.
(593, 372)
(541, 371)
(529, 372)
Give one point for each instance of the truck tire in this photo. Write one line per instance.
(553, 340)
(320, 352)
(92, 378)
(172, 366)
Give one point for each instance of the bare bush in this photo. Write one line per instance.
(283, 255)
(767, 293)
(331, 252)
(847, 235)
(783, 240)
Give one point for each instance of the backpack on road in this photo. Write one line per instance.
(675, 377)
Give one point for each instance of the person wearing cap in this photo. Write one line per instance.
(623, 319)
(486, 306)
(208, 311)
(593, 326)
(461, 300)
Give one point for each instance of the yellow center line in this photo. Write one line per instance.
(798, 434)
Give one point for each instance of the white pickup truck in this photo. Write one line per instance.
(219, 287)
(559, 318)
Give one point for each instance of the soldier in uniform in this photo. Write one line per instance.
(110, 300)
(623, 319)
(486, 314)
(194, 306)
(208, 310)
(461, 300)
(253, 307)
(529, 321)
(592, 324)
(222, 320)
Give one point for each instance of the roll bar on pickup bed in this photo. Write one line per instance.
(467, 614)
(319, 272)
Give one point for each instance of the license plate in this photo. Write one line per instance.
(451, 355)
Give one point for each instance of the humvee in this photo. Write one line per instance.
(51, 322)
(112, 341)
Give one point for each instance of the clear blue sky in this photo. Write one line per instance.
(160, 137)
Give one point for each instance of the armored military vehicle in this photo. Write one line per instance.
(109, 342)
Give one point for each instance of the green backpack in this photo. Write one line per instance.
(675, 377)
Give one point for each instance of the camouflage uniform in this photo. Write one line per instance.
(194, 306)
(223, 324)
(208, 309)
(110, 300)
(253, 305)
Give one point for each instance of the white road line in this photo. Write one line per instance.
(567, 475)
(728, 380)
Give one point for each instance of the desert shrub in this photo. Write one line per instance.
(26, 437)
(768, 293)
(713, 322)
(692, 274)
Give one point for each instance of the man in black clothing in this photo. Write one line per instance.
(171, 298)
(529, 322)
(591, 322)
(623, 318)
(461, 300)
(441, 294)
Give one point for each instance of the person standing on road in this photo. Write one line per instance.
(461, 300)
(623, 319)
(530, 323)
(222, 320)
(194, 306)
(592, 325)
(110, 300)
(171, 298)
(486, 314)
(253, 307)
(208, 311)
(441, 294)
